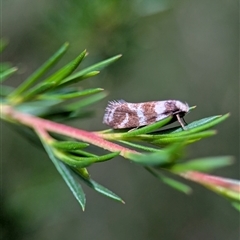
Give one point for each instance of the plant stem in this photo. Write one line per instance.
(40, 125)
(208, 180)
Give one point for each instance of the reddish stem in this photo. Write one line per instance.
(39, 125)
(206, 179)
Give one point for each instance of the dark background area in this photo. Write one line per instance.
(185, 50)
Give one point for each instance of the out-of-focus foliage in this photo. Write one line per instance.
(58, 88)
(188, 51)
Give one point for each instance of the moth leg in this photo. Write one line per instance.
(181, 122)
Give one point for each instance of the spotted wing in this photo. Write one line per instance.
(120, 114)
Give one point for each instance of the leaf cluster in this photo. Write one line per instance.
(43, 99)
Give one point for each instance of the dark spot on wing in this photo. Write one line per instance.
(148, 110)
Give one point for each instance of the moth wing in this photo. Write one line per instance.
(118, 115)
(115, 103)
(151, 118)
(130, 118)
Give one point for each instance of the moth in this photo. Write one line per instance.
(121, 114)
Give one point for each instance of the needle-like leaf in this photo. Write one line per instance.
(7, 73)
(40, 72)
(95, 67)
(97, 187)
(74, 186)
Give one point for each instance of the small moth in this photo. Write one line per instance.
(121, 114)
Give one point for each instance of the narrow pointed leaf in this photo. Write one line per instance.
(42, 70)
(81, 162)
(150, 159)
(38, 108)
(102, 158)
(199, 125)
(187, 138)
(67, 69)
(3, 44)
(203, 164)
(69, 145)
(69, 81)
(171, 182)
(84, 175)
(4, 66)
(72, 95)
(90, 74)
(39, 89)
(55, 79)
(83, 172)
(4, 75)
(82, 153)
(160, 158)
(148, 149)
(176, 185)
(95, 67)
(147, 129)
(99, 188)
(236, 205)
(86, 102)
(74, 186)
(152, 127)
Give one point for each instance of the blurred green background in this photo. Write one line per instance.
(186, 50)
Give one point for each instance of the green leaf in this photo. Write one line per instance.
(4, 75)
(90, 74)
(74, 186)
(83, 153)
(3, 44)
(187, 138)
(62, 115)
(76, 106)
(95, 67)
(67, 82)
(55, 79)
(69, 145)
(4, 66)
(40, 72)
(150, 159)
(236, 205)
(161, 158)
(83, 172)
(176, 185)
(147, 129)
(198, 126)
(37, 107)
(65, 71)
(99, 188)
(171, 182)
(149, 149)
(82, 162)
(103, 190)
(35, 91)
(72, 95)
(203, 164)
